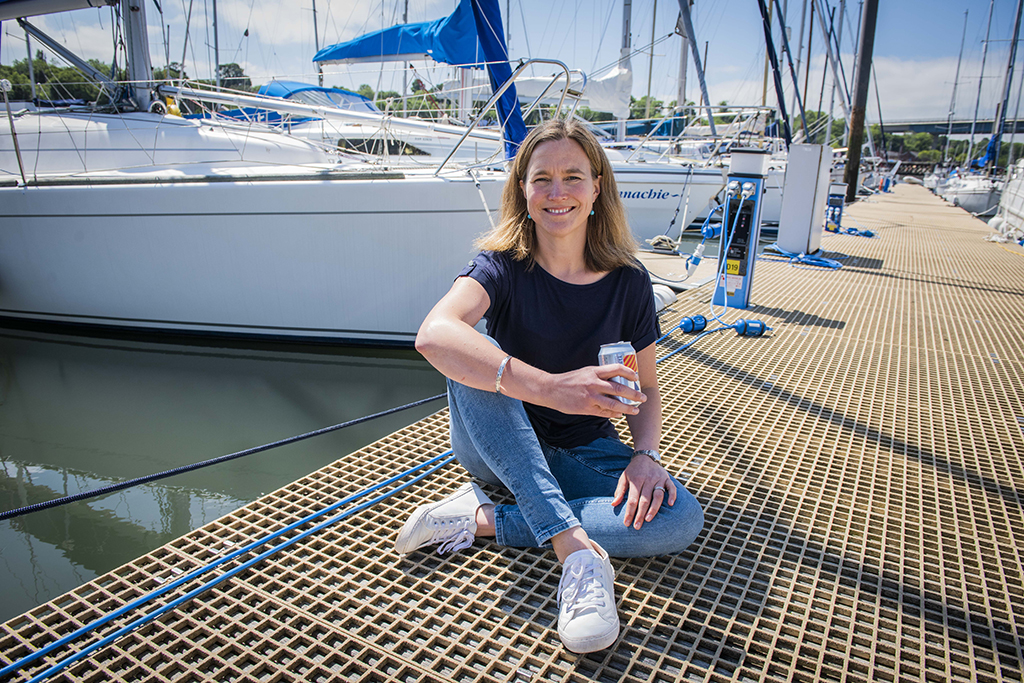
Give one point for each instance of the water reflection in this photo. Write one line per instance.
(77, 414)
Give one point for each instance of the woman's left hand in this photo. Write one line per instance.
(645, 486)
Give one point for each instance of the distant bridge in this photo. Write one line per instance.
(939, 127)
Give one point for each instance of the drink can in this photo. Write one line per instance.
(620, 352)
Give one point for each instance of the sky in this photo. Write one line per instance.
(916, 53)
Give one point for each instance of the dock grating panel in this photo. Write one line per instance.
(861, 474)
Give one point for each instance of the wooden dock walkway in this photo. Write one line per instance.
(861, 470)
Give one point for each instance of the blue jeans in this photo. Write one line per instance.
(558, 488)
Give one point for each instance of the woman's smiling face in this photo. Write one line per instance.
(559, 188)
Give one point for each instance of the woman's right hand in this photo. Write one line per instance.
(591, 391)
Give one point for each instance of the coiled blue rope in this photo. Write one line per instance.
(855, 232)
(805, 259)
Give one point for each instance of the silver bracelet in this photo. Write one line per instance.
(501, 371)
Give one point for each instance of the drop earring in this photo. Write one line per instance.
(591, 212)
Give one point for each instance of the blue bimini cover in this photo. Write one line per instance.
(318, 95)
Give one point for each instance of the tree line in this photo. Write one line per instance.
(54, 82)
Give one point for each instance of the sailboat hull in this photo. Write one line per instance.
(353, 261)
(974, 194)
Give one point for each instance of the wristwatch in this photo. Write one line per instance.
(653, 455)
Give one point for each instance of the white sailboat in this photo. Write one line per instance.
(979, 192)
(145, 221)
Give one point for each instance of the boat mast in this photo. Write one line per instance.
(981, 80)
(952, 100)
(1001, 123)
(1016, 117)
(216, 48)
(316, 45)
(683, 65)
(140, 67)
(839, 50)
(767, 63)
(405, 65)
(627, 15)
(865, 53)
(800, 49)
(650, 67)
(684, 10)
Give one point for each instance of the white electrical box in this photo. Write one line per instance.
(804, 195)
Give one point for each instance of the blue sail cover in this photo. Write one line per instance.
(491, 35)
(472, 34)
(451, 40)
(991, 152)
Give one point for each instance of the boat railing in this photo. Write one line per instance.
(5, 87)
(566, 91)
(241, 99)
(743, 116)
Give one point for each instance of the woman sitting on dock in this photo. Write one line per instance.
(530, 407)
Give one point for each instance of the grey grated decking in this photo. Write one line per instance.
(861, 474)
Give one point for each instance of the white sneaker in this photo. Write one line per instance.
(450, 522)
(587, 618)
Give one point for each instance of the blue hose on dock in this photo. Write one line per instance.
(438, 462)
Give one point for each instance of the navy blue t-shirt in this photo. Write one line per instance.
(558, 327)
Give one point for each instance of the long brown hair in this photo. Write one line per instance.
(610, 242)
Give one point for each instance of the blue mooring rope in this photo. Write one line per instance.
(440, 460)
(83, 495)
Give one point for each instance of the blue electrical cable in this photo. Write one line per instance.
(743, 328)
(440, 460)
(698, 323)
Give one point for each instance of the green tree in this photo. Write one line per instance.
(637, 108)
(592, 115)
(366, 91)
(55, 82)
(233, 77)
(384, 95)
(174, 70)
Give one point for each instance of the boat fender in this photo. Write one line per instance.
(996, 223)
(663, 296)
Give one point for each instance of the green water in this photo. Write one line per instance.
(79, 413)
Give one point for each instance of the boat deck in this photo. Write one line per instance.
(861, 470)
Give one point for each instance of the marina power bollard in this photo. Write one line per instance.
(741, 227)
(834, 207)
